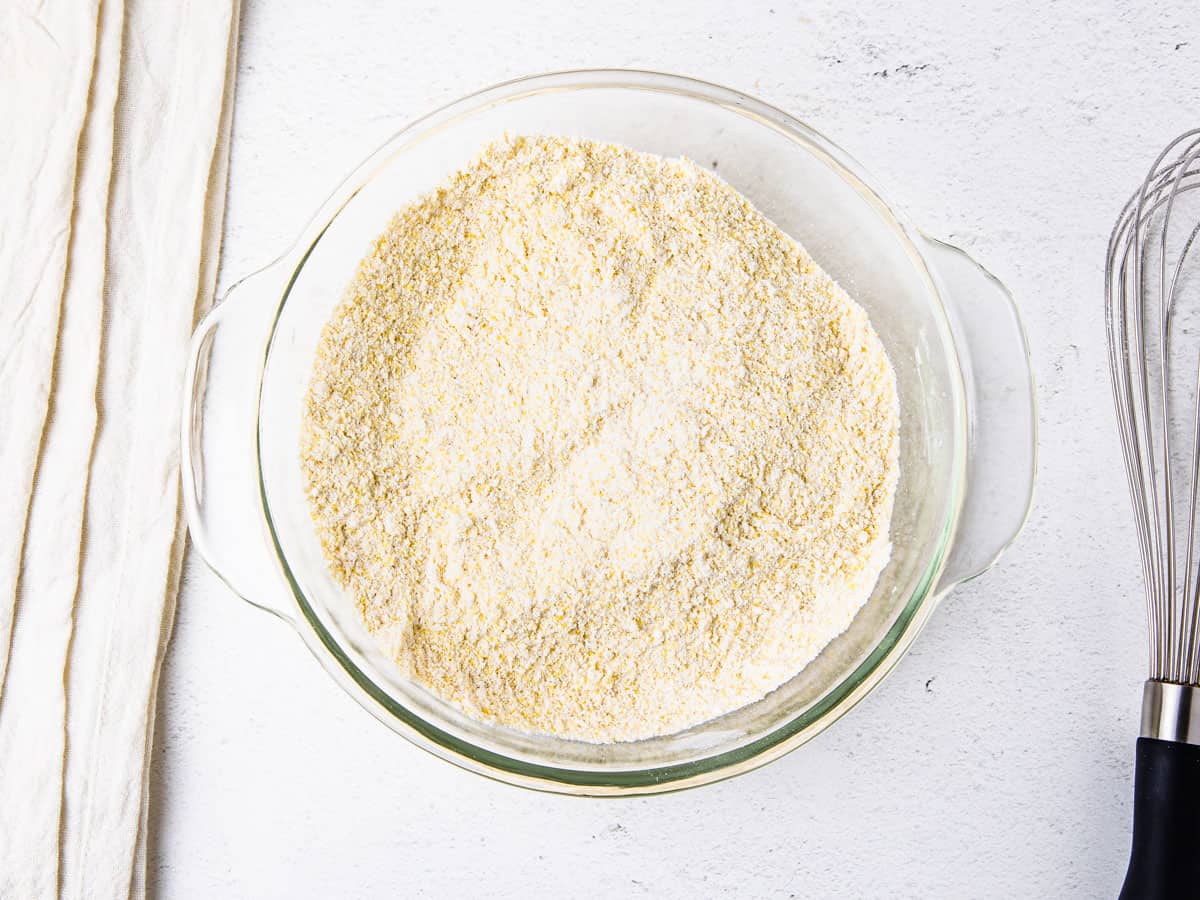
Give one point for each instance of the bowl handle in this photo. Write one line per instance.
(222, 497)
(1001, 411)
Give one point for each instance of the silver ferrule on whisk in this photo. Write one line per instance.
(1171, 712)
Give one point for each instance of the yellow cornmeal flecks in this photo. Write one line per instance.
(596, 448)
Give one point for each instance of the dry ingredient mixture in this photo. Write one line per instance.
(596, 448)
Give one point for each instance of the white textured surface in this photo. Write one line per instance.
(997, 759)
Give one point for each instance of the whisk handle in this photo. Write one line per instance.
(1164, 863)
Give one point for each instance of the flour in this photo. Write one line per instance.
(597, 449)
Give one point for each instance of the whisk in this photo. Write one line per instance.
(1152, 311)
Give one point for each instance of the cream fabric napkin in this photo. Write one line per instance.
(113, 177)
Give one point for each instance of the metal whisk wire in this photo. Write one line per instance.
(1156, 386)
(1140, 382)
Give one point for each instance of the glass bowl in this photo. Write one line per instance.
(967, 437)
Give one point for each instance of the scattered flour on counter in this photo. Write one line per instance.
(596, 448)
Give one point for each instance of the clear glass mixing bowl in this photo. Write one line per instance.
(952, 333)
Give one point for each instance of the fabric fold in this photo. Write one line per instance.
(33, 702)
(169, 115)
(46, 61)
(109, 241)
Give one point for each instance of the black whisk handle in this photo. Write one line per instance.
(1164, 863)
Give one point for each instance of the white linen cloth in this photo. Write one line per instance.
(112, 171)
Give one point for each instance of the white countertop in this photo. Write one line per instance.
(996, 761)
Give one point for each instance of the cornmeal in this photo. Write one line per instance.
(598, 450)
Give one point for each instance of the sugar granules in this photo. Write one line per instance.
(597, 449)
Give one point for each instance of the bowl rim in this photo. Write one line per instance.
(786, 735)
